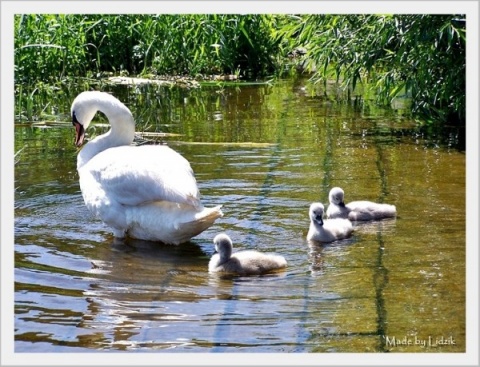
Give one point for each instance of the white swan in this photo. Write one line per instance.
(147, 192)
(357, 210)
(248, 262)
(326, 230)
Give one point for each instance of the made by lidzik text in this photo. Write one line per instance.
(415, 340)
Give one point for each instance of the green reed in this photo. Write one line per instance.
(420, 56)
(48, 47)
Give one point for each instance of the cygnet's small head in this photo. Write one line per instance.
(336, 196)
(316, 213)
(223, 245)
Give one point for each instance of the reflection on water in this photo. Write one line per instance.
(265, 153)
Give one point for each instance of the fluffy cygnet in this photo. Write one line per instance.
(326, 230)
(357, 210)
(248, 262)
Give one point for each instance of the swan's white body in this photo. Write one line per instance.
(248, 262)
(147, 192)
(357, 210)
(326, 230)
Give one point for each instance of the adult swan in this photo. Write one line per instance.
(147, 192)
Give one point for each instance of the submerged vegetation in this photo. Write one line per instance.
(418, 56)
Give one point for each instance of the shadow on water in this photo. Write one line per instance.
(265, 153)
(150, 249)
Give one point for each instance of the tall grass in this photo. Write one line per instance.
(54, 46)
(47, 47)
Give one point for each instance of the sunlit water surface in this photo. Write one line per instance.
(265, 153)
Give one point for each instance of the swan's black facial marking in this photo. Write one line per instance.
(318, 218)
(342, 204)
(79, 130)
(74, 119)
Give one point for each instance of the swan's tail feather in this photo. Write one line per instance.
(193, 201)
(387, 211)
(205, 219)
(170, 222)
(213, 213)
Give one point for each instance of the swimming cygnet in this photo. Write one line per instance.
(357, 210)
(248, 262)
(327, 230)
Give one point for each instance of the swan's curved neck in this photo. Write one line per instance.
(122, 130)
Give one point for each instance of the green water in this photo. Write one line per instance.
(264, 152)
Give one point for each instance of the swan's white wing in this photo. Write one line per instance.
(137, 175)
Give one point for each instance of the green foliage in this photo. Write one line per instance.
(422, 56)
(47, 48)
(418, 56)
(53, 46)
(196, 44)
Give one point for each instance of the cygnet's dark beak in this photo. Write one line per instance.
(319, 219)
(79, 130)
(342, 204)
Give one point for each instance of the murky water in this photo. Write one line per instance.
(265, 153)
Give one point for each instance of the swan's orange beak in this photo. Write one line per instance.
(79, 133)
